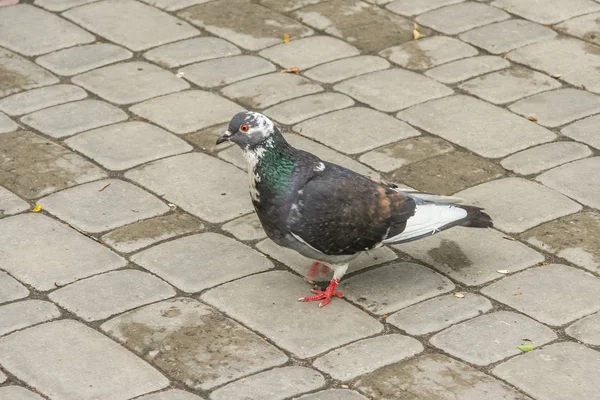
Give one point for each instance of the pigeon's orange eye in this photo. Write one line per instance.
(244, 128)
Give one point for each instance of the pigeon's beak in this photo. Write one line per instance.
(225, 137)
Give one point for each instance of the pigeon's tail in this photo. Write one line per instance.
(476, 218)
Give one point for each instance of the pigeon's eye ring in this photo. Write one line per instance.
(244, 128)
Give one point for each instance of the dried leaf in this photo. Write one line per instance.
(385, 315)
(37, 208)
(517, 293)
(294, 70)
(525, 348)
(556, 76)
(172, 206)
(416, 34)
(180, 74)
(286, 38)
(532, 118)
(459, 294)
(542, 264)
(502, 271)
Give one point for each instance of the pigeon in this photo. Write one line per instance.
(329, 213)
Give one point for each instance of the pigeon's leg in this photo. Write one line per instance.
(327, 294)
(313, 271)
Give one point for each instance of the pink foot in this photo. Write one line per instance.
(324, 295)
(314, 272)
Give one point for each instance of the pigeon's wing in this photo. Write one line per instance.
(339, 212)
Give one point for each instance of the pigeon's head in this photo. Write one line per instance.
(248, 129)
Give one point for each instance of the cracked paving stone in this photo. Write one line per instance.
(508, 35)
(297, 110)
(193, 343)
(174, 5)
(340, 70)
(439, 313)
(586, 330)
(112, 20)
(572, 237)
(267, 90)
(60, 5)
(222, 260)
(268, 303)
(287, 5)
(25, 313)
(71, 118)
(46, 355)
(472, 256)
(547, 12)
(32, 166)
(434, 376)
(11, 289)
(492, 337)
(468, 68)
(202, 185)
(558, 107)
(394, 286)
(18, 74)
(333, 394)
(411, 8)
(393, 89)
(245, 24)
(448, 173)
(36, 99)
(271, 385)
(540, 158)
(428, 52)
(586, 27)
(567, 180)
(365, 26)
(103, 205)
(367, 355)
(522, 205)
(130, 82)
(247, 227)
(355, 130)
(10, 203)
(6, 124)
(31, 31)
(62, 255)
(555, 294)
(461, 17)
(144, 233)
(509, 85)
(171, 394)
(191, 50)
(12, 392)
(479, 126)
(83, 58)
(584, 130)
(122, 146)
(223, 71)
(560, 371)
(102, 296)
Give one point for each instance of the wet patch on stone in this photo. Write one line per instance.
(18, 74)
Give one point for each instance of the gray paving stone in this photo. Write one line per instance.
(308, 52)
(410, 8)
(223, 259)
(507, 35)
(553, 294)
(171, 394)
(272, 385)
(461, 17)
(509, 85)
(2, 378)
(480, 127)
(191, 50)
(472, 256)
(130, 82)
(333, 394)
(102, 296)
(122, 146)
(492, 337)
(393, 89)
(193, 343)
(467, 68)
(540, 158)
(439, 313)
(12, 392)
(547, 11)
(234, 155)
(25, 313)
(287, 5)
(111, 19)
(576, 62)
(60, 5)
(297, 110)
(586, 330)
(10, 203)
(567, 179)
(429, 52)
(560, 371)
(173, 5)
(147, 232)
(558, 107)
(32, 166)
(18, 74)
(52, 263)
(584, 27)
(584, 131)
(437, 377)
(268, 303)
(206, 139)
(45, 357)
(247, 227)
(71, 118)
(195, 183)
(223, 71)
(245, 24)
(83, 58)
(368, 355)
(6, 124)
(36, 99)
(267, 90)
(31, 31)
(371, 129)
(340, 70)
(11, 289)
(522, 204)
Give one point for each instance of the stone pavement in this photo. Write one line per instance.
(146, 275)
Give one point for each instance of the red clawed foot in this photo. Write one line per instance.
(324, 295)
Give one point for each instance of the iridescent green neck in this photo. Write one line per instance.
(275, 165)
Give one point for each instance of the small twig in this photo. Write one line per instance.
(85, 233)
(104, 187)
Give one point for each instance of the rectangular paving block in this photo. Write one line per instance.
(584, 131)
(173, 5)
(428, 52)
(6, 124)
(546, 156)
(18, 74)
(226, 70)
(297, 110)
(83, 58)
(340, 70)
(170, 394)
(333, 394)
(586, 330)
(410, 7)
(45, 357)
(10, 288)
(36, 99)
(10, 203)
(60, 5)
(582, 27)
(247, 227)
(308, 52)
(467, 68)
(461, 17)
(547, 11)
(12, 392)
(191, 50)
(21, 314)
(567, 180)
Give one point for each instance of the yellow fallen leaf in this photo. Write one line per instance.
(416, 34)
(294, 70)
(37, 208)
(532, 118)
(286, 38)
